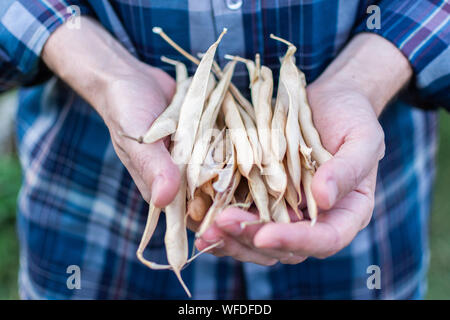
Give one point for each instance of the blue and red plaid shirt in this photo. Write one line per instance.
(79, 206)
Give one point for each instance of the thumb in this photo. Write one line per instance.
(165, 82)
(340, 175)
(157, 170)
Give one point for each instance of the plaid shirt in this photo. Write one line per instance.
(79, 206)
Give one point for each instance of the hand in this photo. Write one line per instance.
(343, 187)
(132, 102)
(127, 94)
(346, 101)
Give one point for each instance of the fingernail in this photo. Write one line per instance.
(275, 244)
(230, 227)
(332, 191)
(156, 186)
(210, 236)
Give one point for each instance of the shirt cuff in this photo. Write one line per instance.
(25, 26)
(420, 30)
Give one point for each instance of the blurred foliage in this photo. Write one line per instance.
(439, 274)
(10, 178)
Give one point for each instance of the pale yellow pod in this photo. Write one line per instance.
(198, 205)
(219, 150)
(221, 201)
(274, 173)
(289, 79)
(262, 91)
(206, 125)
(259, 194)
(175, 239)
(192, 108)
(310, 134)
(276, 178)
(176, 236)
(212, 164)
(307, 176)
(226, 174)
(150, 226)
(278, 210)
(309, 131)
(243, 102)
(252, 134)
(252, 73)
(279, 119)
(238, 135)
(247, 111)
(166, 123)
(292, 198)
(181, 72)
(208, 189)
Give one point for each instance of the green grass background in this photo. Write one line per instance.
(439, 275)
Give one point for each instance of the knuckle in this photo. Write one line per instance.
(381, 143)
(376, 135)
(370, 207)
(365, 223)
(352, 173)
(335, 244)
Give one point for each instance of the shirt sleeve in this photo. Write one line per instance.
(421, 30)
(25, 26)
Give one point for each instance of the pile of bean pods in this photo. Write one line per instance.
(233, 152)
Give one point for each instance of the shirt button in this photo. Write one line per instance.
(234, 4)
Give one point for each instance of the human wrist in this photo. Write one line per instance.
(88, 59)
(371, 66)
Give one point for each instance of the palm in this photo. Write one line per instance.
(137, 100)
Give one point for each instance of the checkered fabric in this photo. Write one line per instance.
(79, 206)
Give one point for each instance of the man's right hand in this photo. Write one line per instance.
(128, 94)
(131, 104)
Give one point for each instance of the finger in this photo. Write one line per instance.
(155, 166)
(293, 259)
(230, 223)
(165, 82)
(231, 247)
(356, 157)
(333, 231)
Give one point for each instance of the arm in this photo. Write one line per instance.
(372, 67)
(420, 30)
(127, 94)
(346, 101)
(24, 28)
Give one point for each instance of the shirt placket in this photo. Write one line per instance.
(228, 14)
